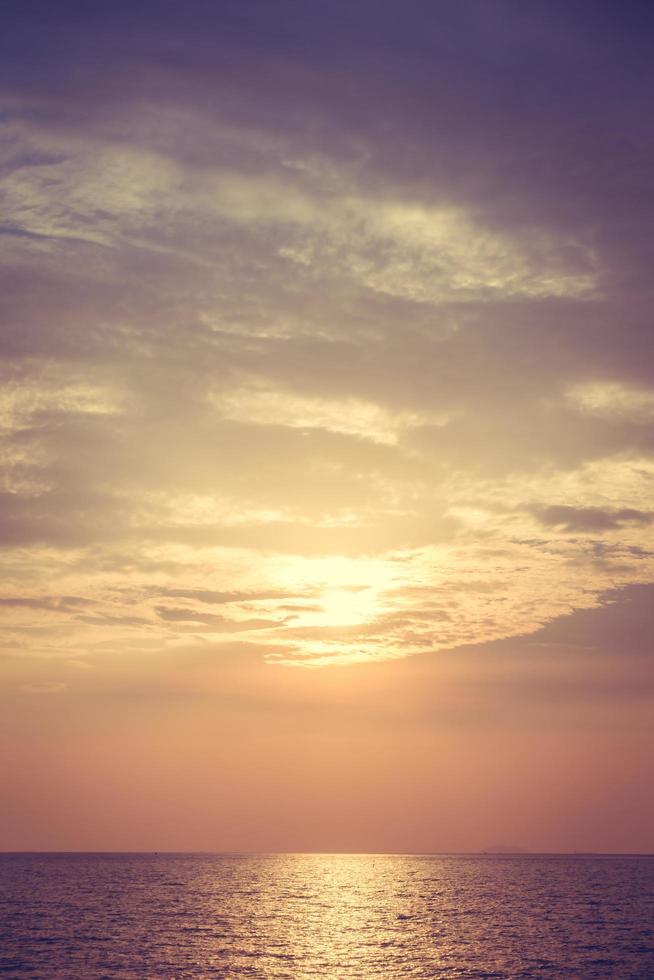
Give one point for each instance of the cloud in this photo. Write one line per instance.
(207, 622)
(63, 603)
(54, 687)
(212, 597)
(612, 399)
(590, 519)
(338, 326)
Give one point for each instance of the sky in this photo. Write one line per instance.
(327, 425)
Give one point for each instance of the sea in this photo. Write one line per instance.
(306, 916)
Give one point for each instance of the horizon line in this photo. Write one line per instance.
(283, 853)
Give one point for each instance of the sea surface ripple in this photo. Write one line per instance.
(86, 916)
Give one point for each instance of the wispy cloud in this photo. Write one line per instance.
(251, 363)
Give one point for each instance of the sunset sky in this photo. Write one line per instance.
(327, 422)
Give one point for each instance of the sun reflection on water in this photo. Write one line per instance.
(345, 915)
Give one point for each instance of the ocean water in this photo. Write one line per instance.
(88, 916)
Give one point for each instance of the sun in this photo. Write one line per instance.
(343, 591)
(348, 606)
